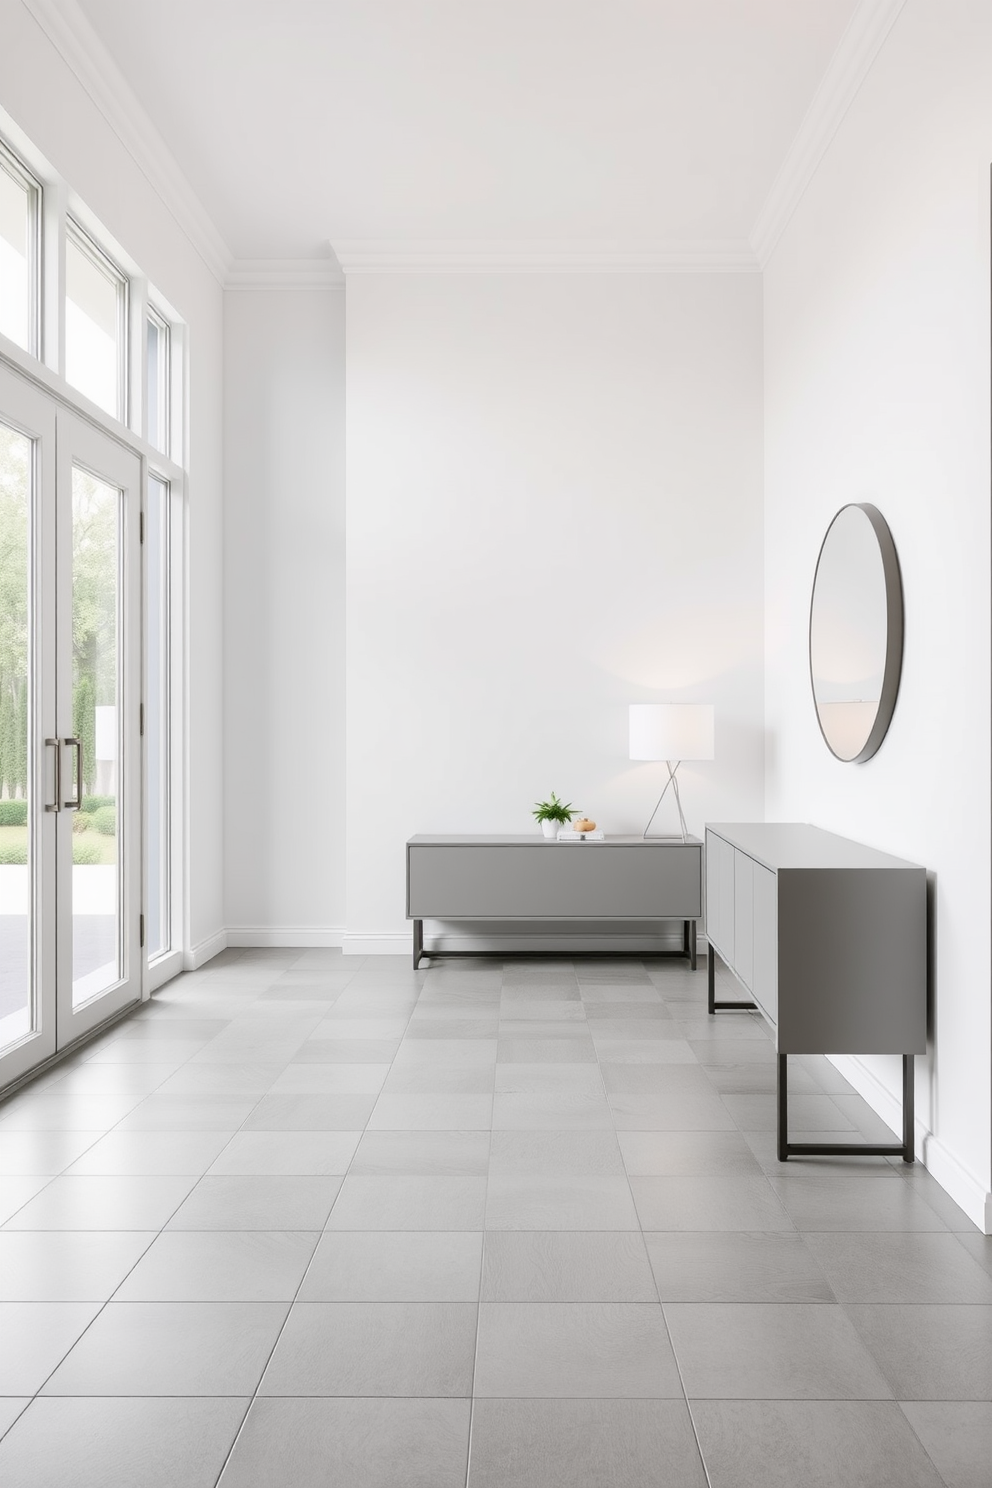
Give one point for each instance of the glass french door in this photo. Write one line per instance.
(70, 749)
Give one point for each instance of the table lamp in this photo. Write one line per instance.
(671, 732)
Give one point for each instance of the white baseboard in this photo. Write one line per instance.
(205, 951)
(309, 936)
(967, 1191)
(383, 943)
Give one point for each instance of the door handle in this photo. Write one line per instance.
(77, 745)
(56, 805)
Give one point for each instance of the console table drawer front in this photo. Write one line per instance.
(556, 881)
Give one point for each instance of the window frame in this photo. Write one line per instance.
(59, 213)
(84, 242)
(13, 166)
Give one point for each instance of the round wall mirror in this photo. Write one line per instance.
(855, 632)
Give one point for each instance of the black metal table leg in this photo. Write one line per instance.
(904, 1149)
(712, 1004)
(418, 942)
(692, 945)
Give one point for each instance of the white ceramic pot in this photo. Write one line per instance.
(550, 829)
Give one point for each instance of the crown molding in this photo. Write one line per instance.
(568, 256)
(282, 273)
(72, 36)
(859, 46)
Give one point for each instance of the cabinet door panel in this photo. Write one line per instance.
(744, 917)
(765, 981)
(720, 870)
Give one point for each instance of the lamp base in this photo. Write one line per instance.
(673, 782)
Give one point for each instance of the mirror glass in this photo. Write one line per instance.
(855, 632)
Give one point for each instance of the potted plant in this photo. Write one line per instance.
(553, 814)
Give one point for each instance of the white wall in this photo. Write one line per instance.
(284, 614)
(47, 101)
(554, 509)
(877, 388)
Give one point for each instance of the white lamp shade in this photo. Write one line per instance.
(671, 731)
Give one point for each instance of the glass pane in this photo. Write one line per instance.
(17, 210)
(96, 871)
(157, 935)
(16, 1001)
(158, 384)
(94, 294)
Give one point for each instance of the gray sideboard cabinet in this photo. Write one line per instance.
(830, 939)
(534, 878)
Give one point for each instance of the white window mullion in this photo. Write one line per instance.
(53, 234)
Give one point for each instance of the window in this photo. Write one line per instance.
(20, 208)
(95, 323)
(158, 372)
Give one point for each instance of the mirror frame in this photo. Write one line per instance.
(893, 638)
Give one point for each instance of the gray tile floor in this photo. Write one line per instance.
(320, 1220)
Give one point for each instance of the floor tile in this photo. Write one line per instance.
(578, 1050)
(347, 1051)
(360, 1028)
(34, 1339)
(557, 1111)
(453, 1028)
(220, 1266)
(957, 1436)
(395, 1266)
(872, 1200)
(439, 1154)
(930, 1352)
(644, 1051)
(16, 1192)
(330, 1079)
(449, 1052)
(816, 1443)
(253, 1202)
(432, 1113)
(124, 1443)
(595, 1350)
(440, 1079)
(46, 1112)
(67, 1265)
(32, 1153)
(300, 1113)
(358, 1443)
(735, 1266)
(151, 1154)
(552, 1201)
(677, 1112)
(566, 1266)
(583, 1444)
(806, 1113)
(979, 1247)
(286, 1154)
(409, 1203)
(772, 1351)
(220, 1079)
(556, 1153)
(687, 1154)
(708, 1203)
(174, 1051)
(183, 1348)
(894, 1267)
(111, 1079)
(549, 1079)
(374, 1348)
(76, 1202)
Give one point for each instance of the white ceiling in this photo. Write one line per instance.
(639, 121)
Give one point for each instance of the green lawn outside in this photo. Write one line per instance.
(18, 837)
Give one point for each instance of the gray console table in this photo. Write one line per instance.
(534, 878)
(830, 939)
